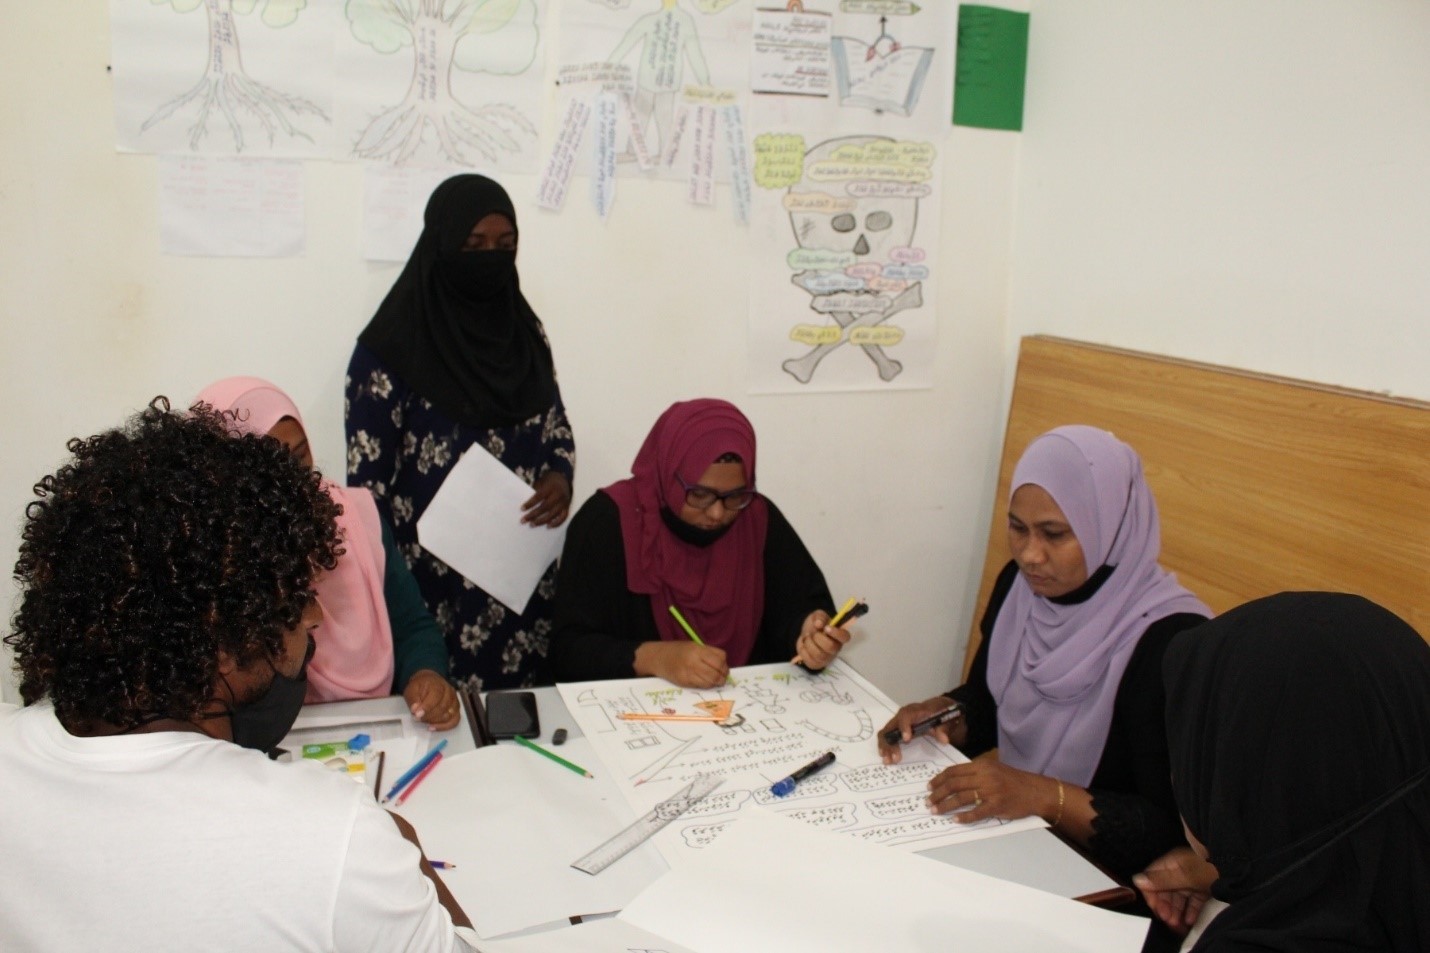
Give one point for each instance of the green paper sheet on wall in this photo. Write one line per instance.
(992, 66)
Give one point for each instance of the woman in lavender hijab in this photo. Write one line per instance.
(1063, 710)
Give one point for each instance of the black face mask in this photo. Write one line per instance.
(478, 275)
(693, 535)
(262, 723)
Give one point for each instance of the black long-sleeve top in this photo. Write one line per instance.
(1136, 815)
(599, 622)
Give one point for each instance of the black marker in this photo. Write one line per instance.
(785, 786)
(891, 737)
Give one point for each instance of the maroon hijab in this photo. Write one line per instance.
(719, 588)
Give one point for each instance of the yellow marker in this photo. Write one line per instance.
(843, 611)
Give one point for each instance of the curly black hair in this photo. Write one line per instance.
(159, 544)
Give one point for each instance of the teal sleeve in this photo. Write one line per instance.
(417, 643)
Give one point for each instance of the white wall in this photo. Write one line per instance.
(1235, 181)
(642, 311)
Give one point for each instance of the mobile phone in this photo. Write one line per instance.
(512, 713)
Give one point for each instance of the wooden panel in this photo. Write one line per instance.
(1263, 483)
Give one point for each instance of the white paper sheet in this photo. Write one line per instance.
(394, 200)
(474, 525)
(790, 718)
(609, 935)
(512, 822)
(770, 884)
(251, 208)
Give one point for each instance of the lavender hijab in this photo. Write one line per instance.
(1054, 670)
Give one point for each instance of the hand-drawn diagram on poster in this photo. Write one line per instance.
(441, 81)
(663, 84)
(880, 75)
(788, 717)
(848, 233)
(217, 77)
(889, 68)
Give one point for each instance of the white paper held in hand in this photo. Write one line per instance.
(474, 525)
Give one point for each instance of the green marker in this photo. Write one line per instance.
(686, 626)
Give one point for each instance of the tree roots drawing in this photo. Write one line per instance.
(396, 135)
(235, 97)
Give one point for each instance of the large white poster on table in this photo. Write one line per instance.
(441, 82)
(223, 77)
(787, 718)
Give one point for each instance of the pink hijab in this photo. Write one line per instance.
(353, 658)
(720, 588)
(1054, 669)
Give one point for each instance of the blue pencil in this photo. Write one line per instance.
(415, 770)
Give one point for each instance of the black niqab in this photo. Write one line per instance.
(455, 326)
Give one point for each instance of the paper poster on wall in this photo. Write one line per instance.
(677, 73)
(441, 82)
(249, 208)
(223, 78)
(887, 69)
(841, 282)
(394, 203)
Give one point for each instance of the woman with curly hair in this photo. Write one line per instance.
(166, 613)
(377, 636)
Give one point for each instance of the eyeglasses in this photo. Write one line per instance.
(702, 497)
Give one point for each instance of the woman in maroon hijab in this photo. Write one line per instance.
(688, 531)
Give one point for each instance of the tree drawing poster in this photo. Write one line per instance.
(437, 83)
(783, 718)
(441, 82)
(223, 77)
(841, 282)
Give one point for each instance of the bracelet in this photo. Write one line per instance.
(1062, 795)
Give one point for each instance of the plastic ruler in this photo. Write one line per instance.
(644, 827)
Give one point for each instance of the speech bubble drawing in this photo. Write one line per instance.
(702, 835)
(815, 334)
(835, 281)
(779, 160)
(907, 272)
(883, 336)
(878, 777)
(818, 259)
(850, 302)
(885, 190)
(906, 254)
(887, 284)
(817, 202)
(865, 269)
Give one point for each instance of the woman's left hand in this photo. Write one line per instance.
(819, 642)
(433, 700)
(989, 788)
(550, 503)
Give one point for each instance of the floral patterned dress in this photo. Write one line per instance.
(401, 448)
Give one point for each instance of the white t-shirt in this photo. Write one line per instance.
(178, 841)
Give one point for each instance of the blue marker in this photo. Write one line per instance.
(784, 787)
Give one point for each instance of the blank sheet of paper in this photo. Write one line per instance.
(512, 822)
(770, 883)
(474, 525)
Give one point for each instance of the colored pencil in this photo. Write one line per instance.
(553, 756)
(421, 776)
(415, 770)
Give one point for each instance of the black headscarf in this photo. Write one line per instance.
(455, 326)
(1299, 729)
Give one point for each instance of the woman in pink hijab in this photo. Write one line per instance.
(688, 532)
(376, 637)
(1067, 683)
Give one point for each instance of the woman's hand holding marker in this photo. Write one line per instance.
(821, 638)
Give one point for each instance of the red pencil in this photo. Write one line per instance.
(418, 780)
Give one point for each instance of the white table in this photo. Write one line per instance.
(1034, 858)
